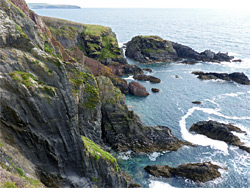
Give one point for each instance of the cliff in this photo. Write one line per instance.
(60, 109)
(49, 6)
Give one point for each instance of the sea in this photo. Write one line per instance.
(223, 101)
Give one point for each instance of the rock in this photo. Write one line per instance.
(176, 76)
(148, 70)
(155, 90)
(123, 130)
(199, 172)
(147, 49)
(237, 77)
(137, 89)
(189, 62)
(121, 70)
(219, 131)
(196, 102)
(144, 77)
(237, 60)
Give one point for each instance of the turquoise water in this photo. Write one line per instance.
(200, 29)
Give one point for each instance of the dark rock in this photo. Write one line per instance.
(137, 89)
(196, 102)
(176, 76)
(189, 62)
(144, 77)
(155, 90)
(219, 131)
(147, 69)
(121, 70)
(123, 130)
(199, 172)
(237, 60)
(237, 77)
(146, 49)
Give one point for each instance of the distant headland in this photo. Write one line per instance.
(50, 6)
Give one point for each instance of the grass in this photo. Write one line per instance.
(66, 31)
(9, 185)
(29, 80)
(18, 28)
(95, 30)
(95, 151)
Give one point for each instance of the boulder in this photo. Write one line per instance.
(155, 90)
(220, 131)
(147, 69)
(137, 89)
(237, 77)
(144, 77)
(199, 172)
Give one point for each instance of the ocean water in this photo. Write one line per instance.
(218, 30)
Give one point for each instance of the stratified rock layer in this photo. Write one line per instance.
(199, 172)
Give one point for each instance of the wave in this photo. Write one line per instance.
(158, 184)
(129, 78)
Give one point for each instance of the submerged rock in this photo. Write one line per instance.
(148, 69)
(135, 88)
(146, 49)
(144, 77)
(237, 77)
(199, 172)
(219, 131)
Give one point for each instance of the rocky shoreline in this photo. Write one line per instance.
(63, 102)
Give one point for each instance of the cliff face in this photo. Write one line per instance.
(55, 102)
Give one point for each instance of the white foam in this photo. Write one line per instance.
(129, 78)
(158, 184)
(245, 64)
(125, 155)
(154, 155)
(197, 138)
(234, 54)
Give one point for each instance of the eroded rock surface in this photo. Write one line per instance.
(199, 172)
(237, 77)
(219, 131)
(147, 49)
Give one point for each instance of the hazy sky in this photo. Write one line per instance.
(227, 4)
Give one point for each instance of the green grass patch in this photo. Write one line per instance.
(95, 30)
(18, 28)
(9, 185)
(95, 151)
(66, 31)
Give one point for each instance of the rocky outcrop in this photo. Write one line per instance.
(137, 89)
(237, 77)
(144, 77)
(219, 131)
(121, 70)
(199, 172)
(123, 129)
(146, 49)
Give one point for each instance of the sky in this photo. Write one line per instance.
(225, 4)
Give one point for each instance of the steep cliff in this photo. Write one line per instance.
(53, 106)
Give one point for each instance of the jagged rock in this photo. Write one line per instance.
(237, 77)
(123, 129)
(155, 90)
(237, 60)
(121, 70)
(144, 77)
(199, 172)
(219, 131)
(137, 89)
(148, 70)
(196, 102)
(150, 49)
(146, 49)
